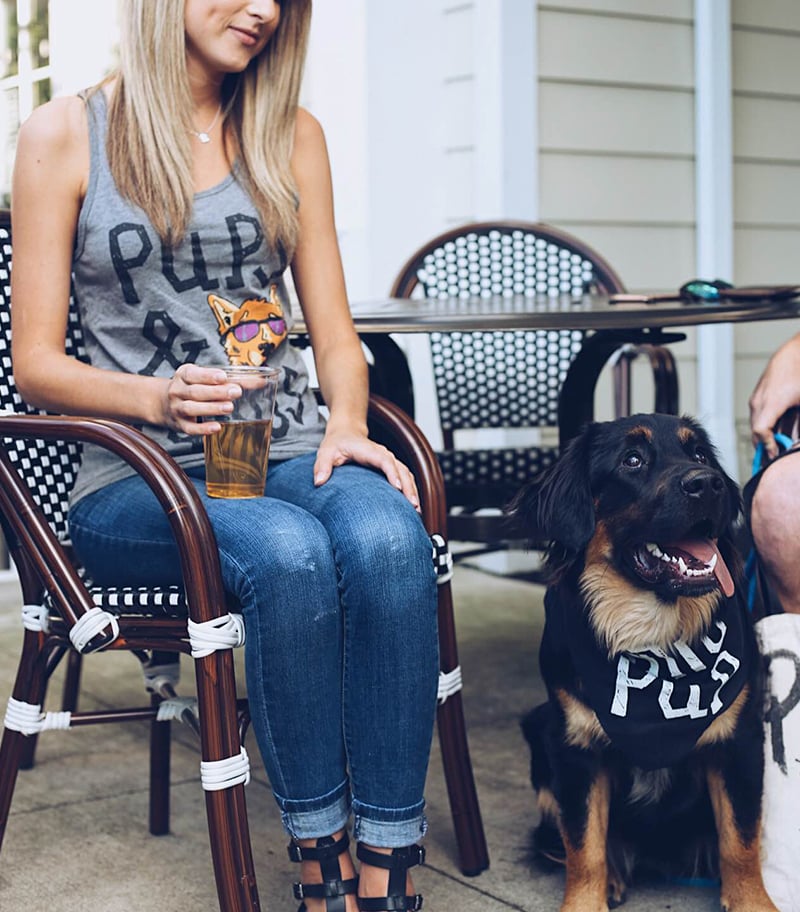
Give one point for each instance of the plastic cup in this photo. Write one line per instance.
(237, 455)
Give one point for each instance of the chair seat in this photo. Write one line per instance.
(490, 477)
(147, 601)
(169, 601)
(160, 601)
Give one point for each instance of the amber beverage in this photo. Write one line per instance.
(236, 459)
(237, 455)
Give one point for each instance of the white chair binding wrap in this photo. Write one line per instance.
(224, 632)
(160, 679)
(35, 618)
(89, 625)
(449, 684)
(175, 708)
(30, 720)
(223, 774)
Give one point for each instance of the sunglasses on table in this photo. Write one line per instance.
(712, 291)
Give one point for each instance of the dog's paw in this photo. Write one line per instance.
(617, 892)
(747, 897)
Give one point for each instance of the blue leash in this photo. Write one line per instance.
(785, 443)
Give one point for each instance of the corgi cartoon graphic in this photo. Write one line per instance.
(250, 331)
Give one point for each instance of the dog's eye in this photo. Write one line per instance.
(632, 460)
(700, 455)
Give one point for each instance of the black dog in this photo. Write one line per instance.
(649, 749)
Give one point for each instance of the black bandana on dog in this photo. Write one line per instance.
(655, 704)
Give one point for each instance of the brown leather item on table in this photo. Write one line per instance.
(761, 292)
(744, 293)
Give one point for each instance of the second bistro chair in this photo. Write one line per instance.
(66, 617)
(508, 381)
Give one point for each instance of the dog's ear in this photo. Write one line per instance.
(557, 505)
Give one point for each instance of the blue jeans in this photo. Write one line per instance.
(338, 592)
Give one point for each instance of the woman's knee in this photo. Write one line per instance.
(268, 548)
(392, 533)
(386, 557)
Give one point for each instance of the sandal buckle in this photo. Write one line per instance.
(295, 851)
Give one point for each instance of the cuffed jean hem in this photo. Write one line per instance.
(371, 827)
(318, 817)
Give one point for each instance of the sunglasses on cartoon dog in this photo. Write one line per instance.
(249, 329)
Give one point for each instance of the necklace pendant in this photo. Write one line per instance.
(204, 137)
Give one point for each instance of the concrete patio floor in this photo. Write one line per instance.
(77, 837)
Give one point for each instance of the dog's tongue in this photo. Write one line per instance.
(704, 549)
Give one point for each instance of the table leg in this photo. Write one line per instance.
(389, 375)
(576, 399)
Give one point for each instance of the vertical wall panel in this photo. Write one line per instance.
(617, 139)
(458, 136)
(766, 123)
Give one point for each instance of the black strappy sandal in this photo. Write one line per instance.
(397, 864)
(332, 889)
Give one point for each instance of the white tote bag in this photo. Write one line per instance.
(779, 638)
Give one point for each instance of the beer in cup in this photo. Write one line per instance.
(236, 456)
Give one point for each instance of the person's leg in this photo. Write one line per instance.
(393, 609)
(276, 560)
(775, 527)
(388, 595)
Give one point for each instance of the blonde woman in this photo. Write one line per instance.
(175, 195)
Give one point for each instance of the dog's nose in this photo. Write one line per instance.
(701, 482)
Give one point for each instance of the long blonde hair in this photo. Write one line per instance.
(149, 119)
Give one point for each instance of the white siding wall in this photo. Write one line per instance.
(489, 114)
(616, 126)
(374, 81)
(766, 130)
(617, 134)
(458, 120)
(77, 62)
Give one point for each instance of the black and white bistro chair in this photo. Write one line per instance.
(510, 382)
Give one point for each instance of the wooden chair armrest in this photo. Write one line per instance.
(391, 426)
(182, 505)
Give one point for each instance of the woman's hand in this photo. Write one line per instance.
(340, 447)
(777, 390)
(194, 395)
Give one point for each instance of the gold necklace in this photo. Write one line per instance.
(202, 135)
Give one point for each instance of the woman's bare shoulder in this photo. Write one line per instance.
(53, 150)
(59, 121)
(308, 130)
(310, 149)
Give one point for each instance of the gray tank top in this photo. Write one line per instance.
(218, 298)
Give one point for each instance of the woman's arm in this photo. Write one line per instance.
(50, 177)
(319, 281)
